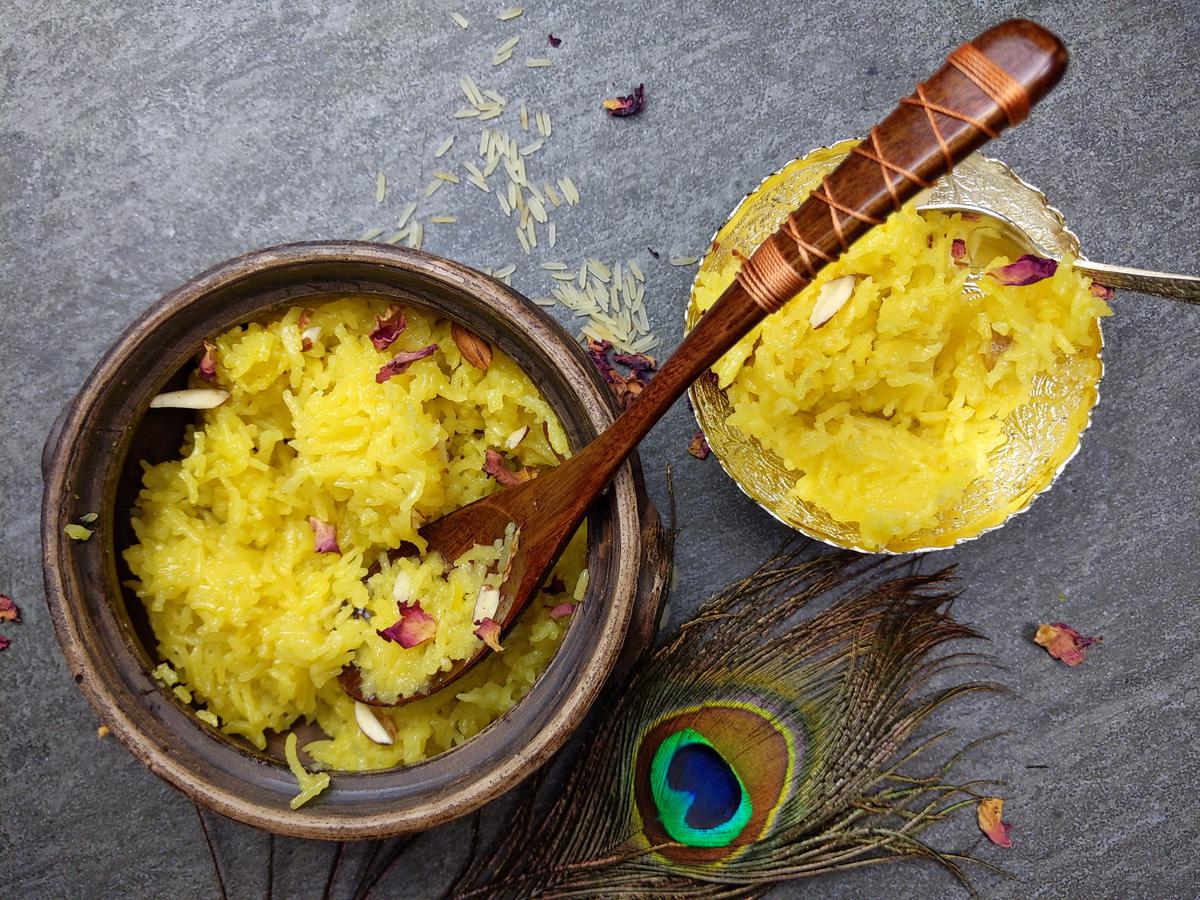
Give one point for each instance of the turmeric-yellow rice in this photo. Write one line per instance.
(890, 409)
(255, 621)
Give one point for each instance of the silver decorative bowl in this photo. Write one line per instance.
(1042, 435)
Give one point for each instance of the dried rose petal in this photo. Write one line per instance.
(9, 611)
(489, 632)
(958, 252)
(415, 626)
(494, 465)
(653, 252)
(553, 41)
(325, 536)
(4, 642)
(556, 585)
(208, 363)
(1064, 642)
(600, 351)
(988, 815)
(627, 106)
(639, 364)
(474, 349)
(1103, 291)
(562, 610)
(699, 446)
(1029, 269)
(627, 388)
(401, 361)
(388, 327)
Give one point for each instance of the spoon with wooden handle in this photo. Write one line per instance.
(986, 85)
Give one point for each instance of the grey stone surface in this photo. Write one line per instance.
(142, 142)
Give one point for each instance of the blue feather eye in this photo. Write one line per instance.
(710, 779)
(701, 800)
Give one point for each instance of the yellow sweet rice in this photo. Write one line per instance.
(890, 409)
(255, 622)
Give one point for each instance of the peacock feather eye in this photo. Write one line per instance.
(701, 800)
(710, 779)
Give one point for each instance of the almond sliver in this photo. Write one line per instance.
(370, 725)
(195, 398)
(486, 603)
(833, 296)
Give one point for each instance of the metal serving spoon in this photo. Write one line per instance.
(1162, 284)
(985, 86)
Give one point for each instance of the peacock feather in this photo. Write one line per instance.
(754, 747)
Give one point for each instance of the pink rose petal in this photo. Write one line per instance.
(489, 632)
(626, 106)
(1064, 643)
(9, 611)
(325, 540)
(414, 627)
(958, 252)
(1029, 269)
(562, 610)
(388, 328)
(401, 361)
(208, 363)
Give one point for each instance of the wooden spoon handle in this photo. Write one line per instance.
(987, 85)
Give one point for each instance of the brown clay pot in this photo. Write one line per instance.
(91, 464)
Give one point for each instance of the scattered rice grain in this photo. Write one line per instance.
(370, 234)
(432, 187)
(683, 260)
(443, 220)
(511, 13)
(635, 269)
(380, 187)
(460, 20)
(552, 234)
(406, 214)
(443, 175)
(539, 62)
(600, 270)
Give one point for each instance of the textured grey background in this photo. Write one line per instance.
(142, 142)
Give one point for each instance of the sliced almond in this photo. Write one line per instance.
(309, 336)
(833, 296)
(513, 440)
(486, 603)
(380, 730)
(195, 398)
(474, 349)
(402, 589)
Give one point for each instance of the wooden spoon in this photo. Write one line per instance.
(986, 86)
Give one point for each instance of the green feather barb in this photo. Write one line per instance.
(756, 746)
